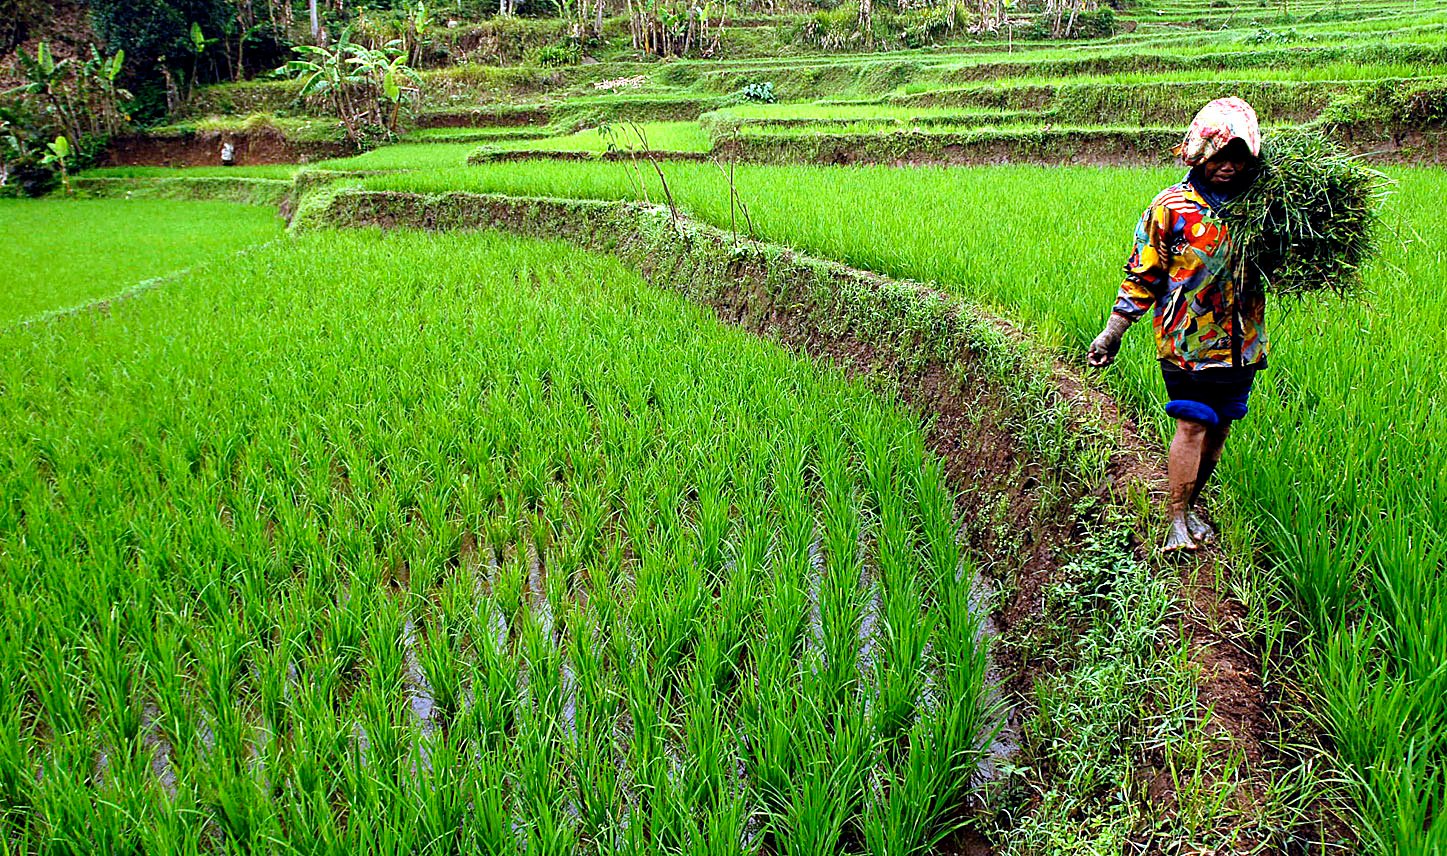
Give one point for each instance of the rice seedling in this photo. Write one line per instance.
(575, 518)
(60, 254)
(1309, 221)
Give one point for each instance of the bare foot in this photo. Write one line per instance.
(1201, 531)
(1178, 537)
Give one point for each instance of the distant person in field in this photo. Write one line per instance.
(1209, 333)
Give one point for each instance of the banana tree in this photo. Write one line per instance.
(57, 154)
(363, 86)
(419, 25)
(198, 45)
(395, 74)
(325, 75)
(46, 78)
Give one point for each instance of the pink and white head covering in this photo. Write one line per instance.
(1218, 123)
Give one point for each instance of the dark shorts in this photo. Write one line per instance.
(1208, 396)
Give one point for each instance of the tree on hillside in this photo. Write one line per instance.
(18, 18)
(177, 44)
(150, 29)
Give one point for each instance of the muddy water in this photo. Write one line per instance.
(422, 708)
(419, 691)
(155, 740)
(1006, 741)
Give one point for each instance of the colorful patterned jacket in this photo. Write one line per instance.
(1179, 269)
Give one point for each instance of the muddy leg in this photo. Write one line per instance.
(1200, 530)
(1184, 468)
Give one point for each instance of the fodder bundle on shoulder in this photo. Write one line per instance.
(1310, 219)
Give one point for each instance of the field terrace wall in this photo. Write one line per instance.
(589, 112)
(802, 82)
(498, 116)
(245, 190)
(878, 77)
(1163, 103)
(1044, 145)
(1044, 465)
(203, 148)
(1244, 56)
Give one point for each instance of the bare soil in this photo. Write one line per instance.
(204, 149)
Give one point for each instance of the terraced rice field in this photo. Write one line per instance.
(487, 529)
(1328, 469)
(77, 252)
(463, 542)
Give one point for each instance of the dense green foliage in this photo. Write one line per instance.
(61, 115)
(486, 545)
(150, 30)
(19, 19)
(58, 255)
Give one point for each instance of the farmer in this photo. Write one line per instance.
(1208, 321)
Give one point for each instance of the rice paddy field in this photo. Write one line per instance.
(457, 541)
(77, 252)
(509, 585)
(1329, 467)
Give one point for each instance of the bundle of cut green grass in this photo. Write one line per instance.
(1310, 219)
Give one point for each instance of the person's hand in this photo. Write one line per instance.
(1103, 350)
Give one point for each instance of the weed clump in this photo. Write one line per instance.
(1310, 219)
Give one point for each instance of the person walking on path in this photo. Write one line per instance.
(1208, 317)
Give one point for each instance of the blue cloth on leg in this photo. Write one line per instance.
(1194, 411)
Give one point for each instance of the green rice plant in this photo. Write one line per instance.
(1309, 222)
(444, 809)
(441, 658)
(590, 548)
(112, 245)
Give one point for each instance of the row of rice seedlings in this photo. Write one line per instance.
(279, 171)
(1329, 465)
(405, 155)
(489, 546)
